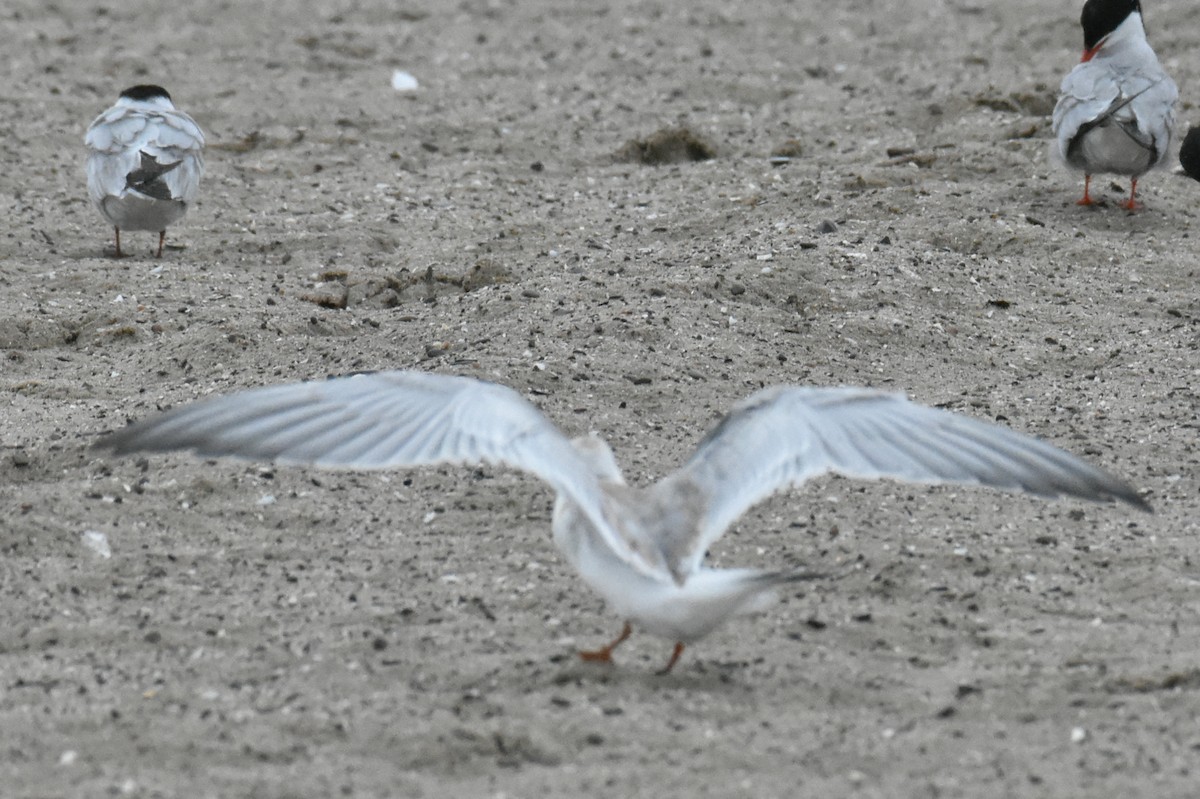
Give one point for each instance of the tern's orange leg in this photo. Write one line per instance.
(162, 235)
(604, 653)
(674, 659)
(1132, 204)
(1087, 198)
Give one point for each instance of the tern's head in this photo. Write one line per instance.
(148, 94)
(1107, 21)
(599, 456)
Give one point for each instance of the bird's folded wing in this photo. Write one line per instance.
(179, 131)
(116, 130)
(1086, 93)
(385, 420)
(183, 181)
(783, 436)
(121, 128)
(1090, 93)
(1154, 107)
(108, 173)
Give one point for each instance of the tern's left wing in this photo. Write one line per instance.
(785, 435)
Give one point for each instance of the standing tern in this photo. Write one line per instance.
(1116, 108)
(641, 549)
(144, 162)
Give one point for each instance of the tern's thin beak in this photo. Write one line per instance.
(1090, 52)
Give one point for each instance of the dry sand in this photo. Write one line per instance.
(279, 633)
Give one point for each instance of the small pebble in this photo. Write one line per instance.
(97, 542)
(404, 82)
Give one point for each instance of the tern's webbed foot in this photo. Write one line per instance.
(1132, 204)
(604, 653)
(1087, 197)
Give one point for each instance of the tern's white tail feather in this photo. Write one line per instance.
(708, 599)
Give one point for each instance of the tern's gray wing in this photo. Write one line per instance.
(123, 128)
(178, 139)
(1090, 92)
(785, 435)
(1086, 93)
(121, 138)
(386, 420)
(1154, 108)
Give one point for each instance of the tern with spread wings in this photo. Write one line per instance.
(640, 548)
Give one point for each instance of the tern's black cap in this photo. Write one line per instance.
(1189, 154)
(1102, 17)
(145, 91)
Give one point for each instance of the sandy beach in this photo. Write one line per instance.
(265, 631)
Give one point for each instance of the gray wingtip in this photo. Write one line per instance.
(109, 441)
(1114, 489)
(1135, 499)
(1111, 491)
(116, 442)
(129, 439)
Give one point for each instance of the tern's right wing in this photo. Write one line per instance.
(387, 420)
